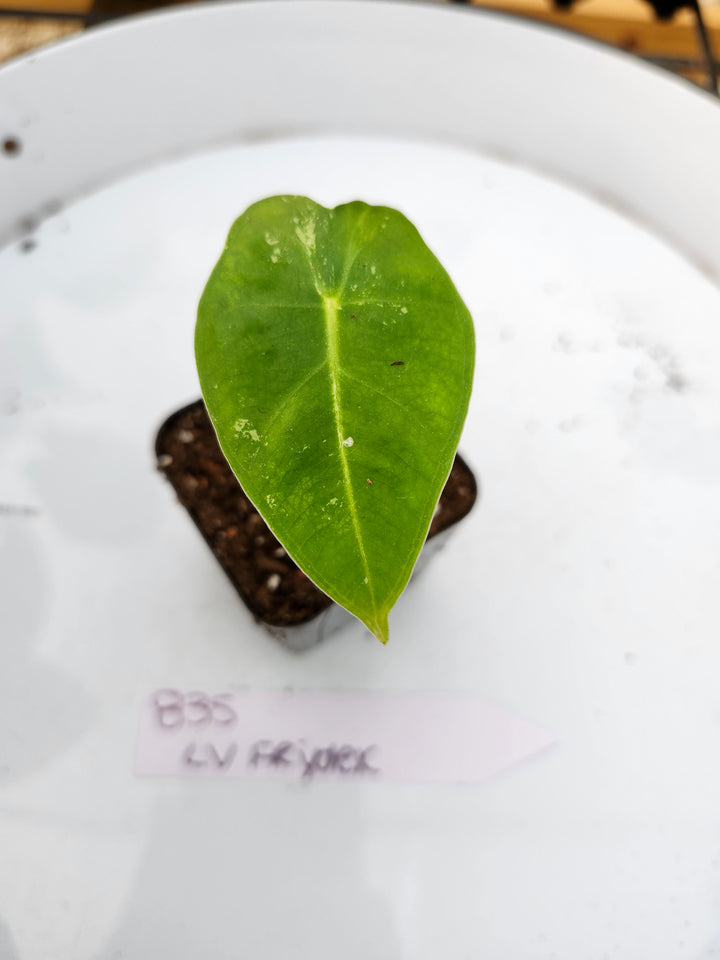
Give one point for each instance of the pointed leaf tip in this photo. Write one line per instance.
(379, 629)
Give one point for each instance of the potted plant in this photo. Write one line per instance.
(335, 359)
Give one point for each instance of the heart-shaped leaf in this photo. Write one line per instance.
(336, 359)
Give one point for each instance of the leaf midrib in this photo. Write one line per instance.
(331, 307)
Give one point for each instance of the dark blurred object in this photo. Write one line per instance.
(666, 10)
(102, 10)
(704, 41)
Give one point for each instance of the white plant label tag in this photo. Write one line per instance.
(311, 736)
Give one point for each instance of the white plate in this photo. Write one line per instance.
(581, 595)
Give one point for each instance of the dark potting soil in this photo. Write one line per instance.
(270, 583)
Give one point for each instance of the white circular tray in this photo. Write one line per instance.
(572, 194)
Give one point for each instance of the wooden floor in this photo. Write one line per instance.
(20, 34)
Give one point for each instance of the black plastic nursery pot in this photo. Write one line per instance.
(271, 585)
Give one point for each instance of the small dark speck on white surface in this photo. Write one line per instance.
(11, 147)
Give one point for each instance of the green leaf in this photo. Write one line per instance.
(336, 358)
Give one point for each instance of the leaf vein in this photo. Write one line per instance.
(376, 390)
(282, 406)
(331, 309)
